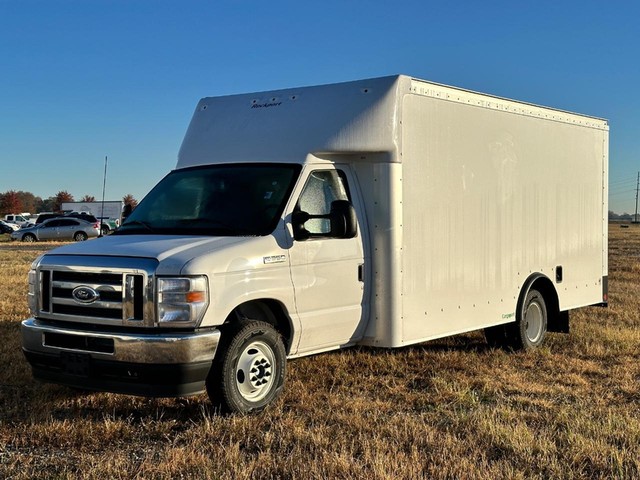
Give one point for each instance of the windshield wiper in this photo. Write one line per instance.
(133, 223)
(210, 225)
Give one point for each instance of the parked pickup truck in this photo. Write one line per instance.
(381, 212)
(17, 219)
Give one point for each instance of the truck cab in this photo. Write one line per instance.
(210, 249)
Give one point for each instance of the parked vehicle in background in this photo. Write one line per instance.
(109, 212)
(46, 216)
(17, 218)
(60, 228)
(107, 225)
(83, 216)
(8, 227)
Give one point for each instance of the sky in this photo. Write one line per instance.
(81, 80)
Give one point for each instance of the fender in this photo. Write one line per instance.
(557, 321)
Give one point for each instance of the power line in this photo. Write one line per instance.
(622, 180)
(625, 188)
(625, 192)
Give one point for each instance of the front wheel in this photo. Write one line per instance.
(28, 237)
(249, 369)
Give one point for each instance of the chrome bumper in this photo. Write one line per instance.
(162, 364)
(163, 348)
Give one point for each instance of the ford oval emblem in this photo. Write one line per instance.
(84, 294)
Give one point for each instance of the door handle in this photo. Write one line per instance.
(361, 272)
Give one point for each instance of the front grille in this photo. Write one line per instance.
(108, 286)
(104, 294)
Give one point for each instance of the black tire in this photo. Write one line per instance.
(104, 230)
(530, 327)
(29, 237)
(249, 369)
(80, 236)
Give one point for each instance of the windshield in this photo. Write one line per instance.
(218, 200)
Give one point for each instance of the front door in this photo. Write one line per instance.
(327, 272)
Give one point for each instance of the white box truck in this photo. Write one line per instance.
(380, 212)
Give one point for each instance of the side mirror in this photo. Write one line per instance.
(342, 218)
(344, 223)
(298, 219)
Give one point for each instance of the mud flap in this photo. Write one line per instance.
(559, 322)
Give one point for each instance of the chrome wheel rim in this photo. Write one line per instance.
(533, 321)
(254, 372)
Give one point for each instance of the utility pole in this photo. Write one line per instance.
(104, 186)
(635, 217)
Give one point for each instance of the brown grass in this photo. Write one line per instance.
(446, 409)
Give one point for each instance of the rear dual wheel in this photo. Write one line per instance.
(533, 326)
(529, 329)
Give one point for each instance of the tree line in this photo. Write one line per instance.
(19, 202)
(625, 217)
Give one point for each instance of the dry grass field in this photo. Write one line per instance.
(446, 409)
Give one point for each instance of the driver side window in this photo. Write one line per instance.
(322, 188)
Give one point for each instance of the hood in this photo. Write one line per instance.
(159, 247)
(180, 253)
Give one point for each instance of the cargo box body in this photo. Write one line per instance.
(466, 195)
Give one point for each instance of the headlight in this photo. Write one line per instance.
(32, 297)
(182, 301)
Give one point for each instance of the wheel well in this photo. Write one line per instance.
(267, 310)
(557, 321)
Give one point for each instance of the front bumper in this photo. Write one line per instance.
(161, 364)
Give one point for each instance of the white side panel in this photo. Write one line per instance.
(605, 204)
(491, 196)
(381, 187)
